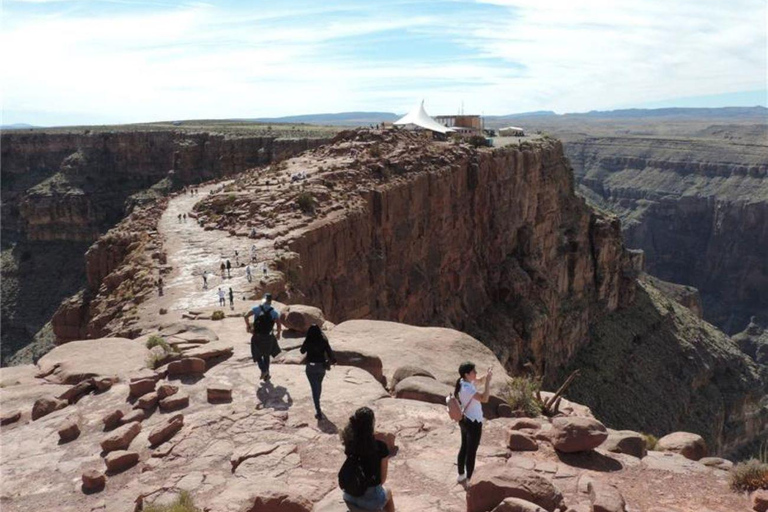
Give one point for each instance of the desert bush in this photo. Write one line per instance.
(478, 141)
(650, 441)
(183, 503)
(218, 315)
(306, 202)
(749, 476)
(158, 341)
(521, 395)
(375, 150)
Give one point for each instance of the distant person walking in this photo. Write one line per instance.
(471, 423)
(248, 275)
(253, 251)
(223, 268)
(184, 217)
(368, 455)
(229, 269)
(319, 359)
(205, 279)
(222, 297)
(160, 286)
(179, 218)
(231, 299)
(263, 343)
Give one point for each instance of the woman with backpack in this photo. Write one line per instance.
(471, 423)
(364, 472)
(319, 359)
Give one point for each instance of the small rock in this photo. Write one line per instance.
(148, 401)
(112, 420)
(605, 498)
(69, 431)
(626, 441)
(717, 463)
(121, 438)
(517, 505)
(525, 423)
(174, 402)
(141, 387)
(121, 460)
(136, 415)
(46, 405)
(760, 501)
(104, 384)
(521, 442)
(10, 417)
(93, 480)
(164, 432)
(167, 390)
(691, 446)
(187, 366)
(219, 393)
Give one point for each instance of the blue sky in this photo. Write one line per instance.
(120, 61)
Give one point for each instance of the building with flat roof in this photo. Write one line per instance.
(463, 124)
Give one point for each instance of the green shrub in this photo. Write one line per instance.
(183, 503)
(650, 441)
(158, 341)
(306, 202)
(749, 476)
(521, 395)
(218, 315)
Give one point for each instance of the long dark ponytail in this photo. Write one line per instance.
(464, 369)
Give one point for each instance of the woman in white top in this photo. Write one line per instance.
(471, 423)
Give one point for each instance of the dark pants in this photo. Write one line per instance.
(263, 362)
(471, 431)
(315, 375)
(260, 352)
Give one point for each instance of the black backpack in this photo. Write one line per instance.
(264, 322)
(352, 479)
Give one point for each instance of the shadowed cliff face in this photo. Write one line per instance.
(698, 208)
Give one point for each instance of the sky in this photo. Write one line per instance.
(123, 61)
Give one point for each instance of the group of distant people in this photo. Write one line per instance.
(194, 191)
(365, 469)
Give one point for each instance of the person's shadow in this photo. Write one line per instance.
(327, 426)
(274, 397)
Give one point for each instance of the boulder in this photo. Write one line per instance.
(93, 480)
(760, 500)
(133, 416)
(605, 497)
(186, 366)
(69, 431)
(717, 463)
(361, 359)
(46, 405)
(104, 384)
(691, 446)
(112, 420)
(148, 401)
(121, 438)
(298, 317)
(625, 441)
(525, 423)
(76, 361)
(219, 393)
(492, 483)
(166, 390)
(119, 461)
(406, 371)
(167, 430)
(8, 417)
(141, 387)
(517, 505)
(217, 349)
(577, 434)
(174, 402)
(424, 389)
(76, 392)
(520, 441)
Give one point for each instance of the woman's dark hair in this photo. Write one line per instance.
(464, 369)
(357, 436)
(314, 335)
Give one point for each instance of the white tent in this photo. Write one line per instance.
(418, 118)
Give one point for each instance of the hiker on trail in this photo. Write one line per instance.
(223, 267)
(222, 297)
(185, 217)
(264, 268)
(365, 470)
(319, 359)
(205, 279)
(231, 299)
(179, 218)
(253, 233)
(253, 251)
(229, 268)
(160, 286)
(263, 342)
(237, 259)
(248, 273)
(471, 423)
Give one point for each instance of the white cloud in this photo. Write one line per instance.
(201, 61)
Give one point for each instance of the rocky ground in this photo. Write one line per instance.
(245, 445)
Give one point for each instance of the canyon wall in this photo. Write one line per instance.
(698, 208)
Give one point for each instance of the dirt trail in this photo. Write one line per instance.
(192, 250)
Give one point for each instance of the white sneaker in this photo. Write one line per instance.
(461, 478)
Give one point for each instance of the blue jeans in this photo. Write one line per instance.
(375, 498)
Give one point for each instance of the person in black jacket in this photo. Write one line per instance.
(319, 358)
